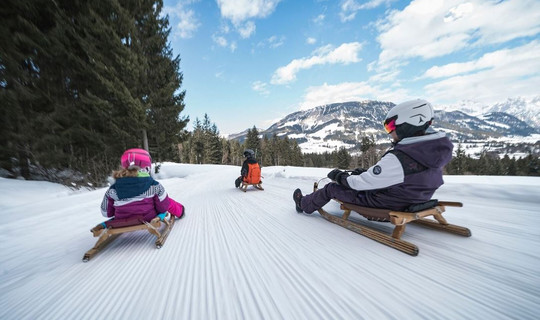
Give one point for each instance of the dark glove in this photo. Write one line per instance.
(358, 171)
(332, 174)
(237, 182)
(341, 178)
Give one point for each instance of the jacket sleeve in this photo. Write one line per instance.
(161, 198)
(245, 169)
(385, 173)
(107, 205)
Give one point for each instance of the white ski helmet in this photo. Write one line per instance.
(409, 118)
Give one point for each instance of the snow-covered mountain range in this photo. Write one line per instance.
(527, 110)
(327, 127)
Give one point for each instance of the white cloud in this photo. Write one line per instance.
(461, 11)
(275, 41)
(272, 42)
(489, 60)
(219, 40)
(344, 54)
(187, 22)
(225, 28)
(493, 77)
(349, 91)
(246, 29)
(311, 40)
(319, 19)
(386, 76)
(349, 8)
(240, 13)
(241, 10)
(260, 87)
(222, 42)
(435, 28)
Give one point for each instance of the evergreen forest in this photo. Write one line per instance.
(204, 145)
(81, 81)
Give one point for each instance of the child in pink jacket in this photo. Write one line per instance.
(135, 196)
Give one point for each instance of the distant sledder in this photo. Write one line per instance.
(250, 174)
(135, 202)
(398, 188)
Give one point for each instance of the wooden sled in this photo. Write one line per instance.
(107, 235)
(244, 186)
(399, 219)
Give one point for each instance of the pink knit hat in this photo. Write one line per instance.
(136, 157)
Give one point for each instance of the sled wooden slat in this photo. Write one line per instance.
(451, 228)
(163, 236)
(450, 204)
(102, 242)
(393, 242)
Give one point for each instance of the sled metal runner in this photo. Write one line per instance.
(107, 235)
(399, 219)
(244, 186)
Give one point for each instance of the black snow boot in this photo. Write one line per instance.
(297, 197)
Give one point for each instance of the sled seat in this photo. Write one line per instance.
(118, 226)
(125, 225)
(416, 213)
(244, 186)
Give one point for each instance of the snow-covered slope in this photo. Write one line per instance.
(251, 256)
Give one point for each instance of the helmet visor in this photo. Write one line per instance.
(390, 124)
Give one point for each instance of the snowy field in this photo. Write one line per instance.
(251, 256)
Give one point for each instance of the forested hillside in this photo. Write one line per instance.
(205, 146)
(82, 81)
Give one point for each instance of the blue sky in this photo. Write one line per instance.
(249, 63)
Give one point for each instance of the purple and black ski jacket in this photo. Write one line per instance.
(408, 174)
(135, 196)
